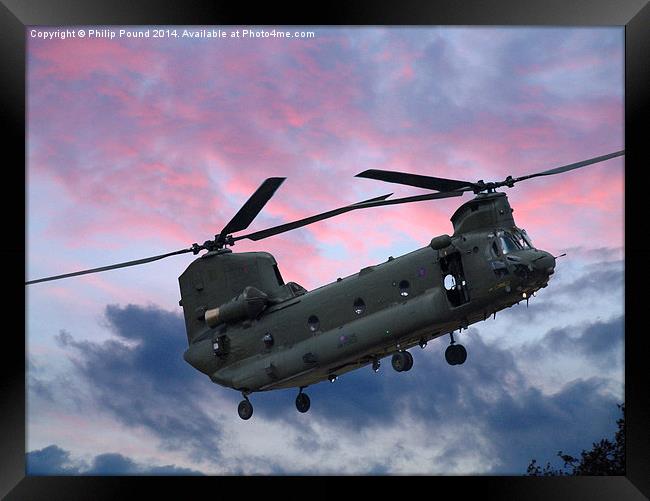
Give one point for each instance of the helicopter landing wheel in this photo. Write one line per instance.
(409, 361)
(402, 361)
(302, 402)
(245, 409)
(455, 354)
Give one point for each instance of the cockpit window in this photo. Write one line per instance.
(508, 244)
(522, 238)
(513, 240)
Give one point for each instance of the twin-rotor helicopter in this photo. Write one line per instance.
(249, 330)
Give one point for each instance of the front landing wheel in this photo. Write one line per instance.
(245, 409)
(302, 402)
(402, 361)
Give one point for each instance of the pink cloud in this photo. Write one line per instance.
(569, 64)
(73, 59)
(157, 146)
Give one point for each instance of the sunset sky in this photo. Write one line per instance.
(141, 146)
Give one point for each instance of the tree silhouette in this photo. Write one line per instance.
(605, 457)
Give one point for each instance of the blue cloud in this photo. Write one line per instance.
(601, 342)
(598, 276)
(148, 383)
(53, 460)
(488, 392)
(112, 464)
(595, 279)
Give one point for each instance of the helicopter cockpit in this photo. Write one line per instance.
(514, 240)
(512, 253)
(508, 241)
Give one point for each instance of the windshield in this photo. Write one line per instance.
(511, 241)
(507, 243)
(522, 238)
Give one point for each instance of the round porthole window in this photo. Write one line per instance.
(313, 323)
(404, 287)
(359, 306)
(450, 282)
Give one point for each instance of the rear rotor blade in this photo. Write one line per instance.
(110, 267)
(569, 167)
(253, 206)
(373, 202)
(427, 182)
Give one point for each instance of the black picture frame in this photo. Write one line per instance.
(15, 15)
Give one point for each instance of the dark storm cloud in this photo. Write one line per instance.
(116, 464)
(488, 393)
(39, 388)
(141, 378)
(599, 277)
(168, 470)
(531, 425)
(600, 342)
(112, 464)
(602, 337)
(53, 460)
(604, 277)
(50, 460)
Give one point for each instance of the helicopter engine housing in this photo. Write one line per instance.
(247, 305)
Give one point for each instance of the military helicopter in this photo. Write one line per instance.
(249, 330)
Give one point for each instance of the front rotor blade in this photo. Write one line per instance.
(428, 182)
(576, 165)
(253, 206)
(416, 198)
(373, 202)
(111, 267)
(259, 235)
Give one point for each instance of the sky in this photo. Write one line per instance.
(142, 146)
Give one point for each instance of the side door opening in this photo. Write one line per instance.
(453, 277)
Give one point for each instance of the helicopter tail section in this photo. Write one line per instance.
(211, 282)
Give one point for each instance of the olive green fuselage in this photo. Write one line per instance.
(303, 338)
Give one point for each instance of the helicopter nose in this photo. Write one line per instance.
(544, 263)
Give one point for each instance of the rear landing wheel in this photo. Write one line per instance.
(456, 354)
(245, 409)
(402, 361)
(302, 402)
(409, 361)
